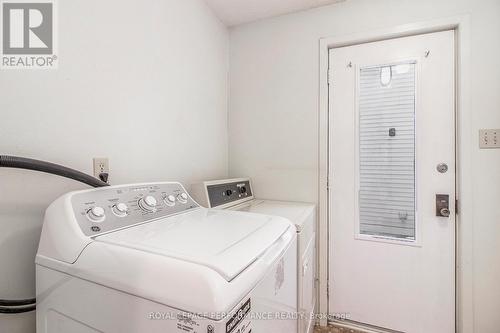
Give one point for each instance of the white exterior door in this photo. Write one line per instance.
(392, 172)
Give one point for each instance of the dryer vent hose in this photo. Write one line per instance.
(26, 305)
(55, 169)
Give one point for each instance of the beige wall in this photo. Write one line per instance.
(273, 124)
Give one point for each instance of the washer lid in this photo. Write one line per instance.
(225, 241)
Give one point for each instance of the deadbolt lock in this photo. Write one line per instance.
(445, 212)
(442, 205)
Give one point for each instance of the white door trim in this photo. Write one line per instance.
(464, 137)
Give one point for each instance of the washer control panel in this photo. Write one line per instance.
(113, 208)
(231, 192)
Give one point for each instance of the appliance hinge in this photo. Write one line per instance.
(330, 77)
(328, 183)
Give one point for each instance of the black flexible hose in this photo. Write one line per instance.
(55, 169)
(7, 310)
(26, 305)
(17, 302)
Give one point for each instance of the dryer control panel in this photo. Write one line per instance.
(107, 209)
(223, 193)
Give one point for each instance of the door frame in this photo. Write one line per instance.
(464, 320)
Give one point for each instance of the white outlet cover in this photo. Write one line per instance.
(489, 138)
(101, 164)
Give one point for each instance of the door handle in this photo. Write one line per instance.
(442, 205)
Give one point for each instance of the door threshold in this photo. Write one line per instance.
(355, 327)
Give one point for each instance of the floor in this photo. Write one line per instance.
(331, 329)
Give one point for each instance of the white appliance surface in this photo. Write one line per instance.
(237, 195)
(226, 242)
(303, 216)
(176, 266)
(296, 212)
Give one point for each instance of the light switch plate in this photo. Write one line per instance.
(489, 138)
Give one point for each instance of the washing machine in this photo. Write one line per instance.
(237, 194)
(147, 258)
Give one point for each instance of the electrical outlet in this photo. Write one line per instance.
(489, 138)
(101, 165)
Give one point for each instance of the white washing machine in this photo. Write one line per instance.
(237, 194)
(148, 258)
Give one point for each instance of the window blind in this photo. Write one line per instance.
(387, 151)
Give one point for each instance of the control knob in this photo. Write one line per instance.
(183, 198)
(96, 214)
(120, 209)
(169, 200)
(148, 203)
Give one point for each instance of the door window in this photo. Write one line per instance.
(387, 151)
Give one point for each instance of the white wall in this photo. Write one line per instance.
(273, 125)
(141, 82)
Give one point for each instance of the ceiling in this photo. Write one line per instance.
(234, 12)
